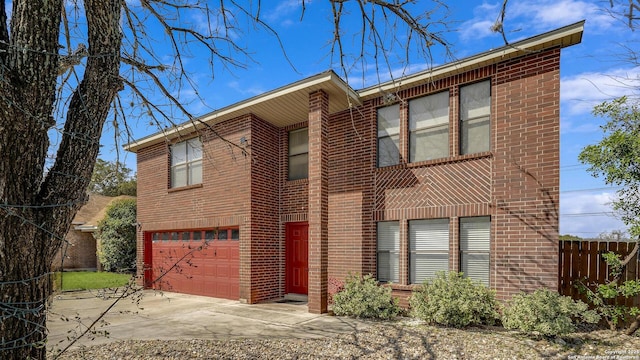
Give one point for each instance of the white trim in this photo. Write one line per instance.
(212, 117)
(563, 37)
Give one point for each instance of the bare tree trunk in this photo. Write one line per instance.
(37, 207)
(36, 213)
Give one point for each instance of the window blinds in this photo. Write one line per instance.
(475, 235)
(429, 248)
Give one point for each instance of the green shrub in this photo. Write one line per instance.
(545, 312)
(117, 235)
(363, 298)
(453, 300)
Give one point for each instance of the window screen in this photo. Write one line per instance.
(475, 236)
(429, 127)
(429, 248)
(186, 163)
(388, 251)
(475, 111)
(389, 136)
(299, 154)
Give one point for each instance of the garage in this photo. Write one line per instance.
(200, 262)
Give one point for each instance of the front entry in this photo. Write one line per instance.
(297, 259)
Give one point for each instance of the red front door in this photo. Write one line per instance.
(297, 265)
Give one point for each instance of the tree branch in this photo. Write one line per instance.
(4, 31)
(88, 109)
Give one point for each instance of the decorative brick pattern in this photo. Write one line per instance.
(516, 183)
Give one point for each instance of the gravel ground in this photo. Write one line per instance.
(384, 340)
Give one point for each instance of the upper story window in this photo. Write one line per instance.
(186, 163)
(389, 135)
(299, 154)
(475, 111)
(429, 127)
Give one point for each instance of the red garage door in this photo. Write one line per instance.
(199, 262)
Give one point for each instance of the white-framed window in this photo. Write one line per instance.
(475, 240)
(299, 154)
(389, 135)
(186, 163)
(429, 127)
(428, 248)
(388, 250)
(475, 114)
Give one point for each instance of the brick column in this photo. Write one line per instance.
(318, 200)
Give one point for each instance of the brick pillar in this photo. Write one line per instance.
(318, 200)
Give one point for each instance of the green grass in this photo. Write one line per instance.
(83, 280)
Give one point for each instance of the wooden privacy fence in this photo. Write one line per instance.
(583, 259)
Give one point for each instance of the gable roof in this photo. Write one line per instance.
(93, 211)
(562, 37)
(289, 104)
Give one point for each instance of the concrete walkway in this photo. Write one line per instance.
(173, 316)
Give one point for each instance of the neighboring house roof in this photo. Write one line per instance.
(87, 218)
(289, 104)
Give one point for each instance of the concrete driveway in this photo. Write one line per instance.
(172, 316)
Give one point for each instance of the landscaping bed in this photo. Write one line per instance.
(403, 339)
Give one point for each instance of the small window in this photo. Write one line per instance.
(209, 235)
(389, 136)
(197, 235)
(235, 234)
(475, 114)
(185, 236)
(186, 163)
(174, 236)
(223, 234)
(299, 154)
(155, 237)
(388, 251)
(429, 248)
(165, 236)
(475, 238)
(429, 127)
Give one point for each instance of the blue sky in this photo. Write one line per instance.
(591, 72)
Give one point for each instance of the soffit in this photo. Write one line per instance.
(281, 107)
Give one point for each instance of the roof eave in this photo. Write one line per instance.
(563, 37)
(327, 79)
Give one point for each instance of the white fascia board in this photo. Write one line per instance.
(237, 108)
(491, 56)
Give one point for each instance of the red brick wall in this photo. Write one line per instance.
(526, 172)
(78, 252)
(222, 199)
(352, 162)
(524, 136)
(520, 173)
(318, 200)
(266, 253)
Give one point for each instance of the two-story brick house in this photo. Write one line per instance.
(453, 168)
